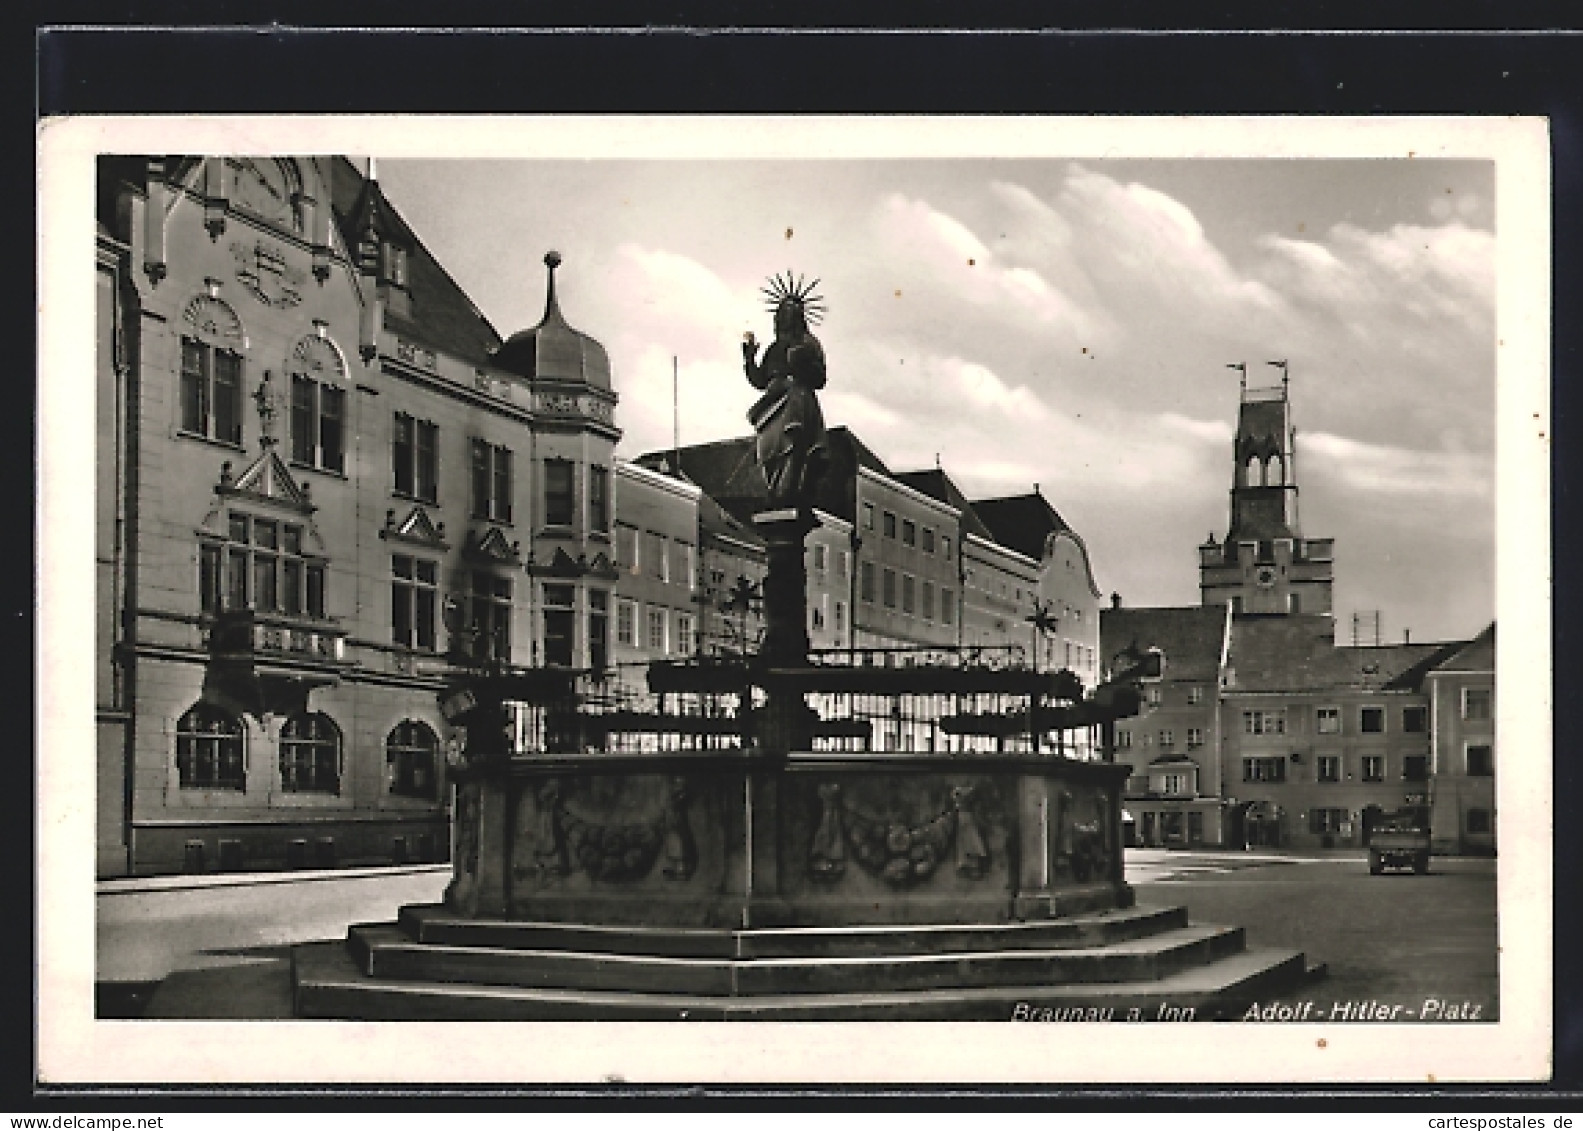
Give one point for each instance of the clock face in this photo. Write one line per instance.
(1265, 576)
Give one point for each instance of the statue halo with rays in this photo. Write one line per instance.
(787, 287)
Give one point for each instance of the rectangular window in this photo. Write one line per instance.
(209, 590)
(945, 544)
(416, 457)
(626, 548)
(686, 640)
(928, 540)
(928, 600)
(866, 588)
(1263, 722)
(1195, 696)
(598, 629)
(627, 624)
(653, 555)
(1328, 767)
(821, 557)
(1373, 767)
(489, 615)
(318, 424)
(681, 571)
(1123, 738)
(1327, 720)
(1195, 738)
(413, 600)
(1481, 761)
(1323, 821)
(599, 500)
(1167, 738)
(840, 617)
(259, 567)
(1371, 720)
(890, 525)
(1415, 767)
(909, 594)
(909, 532)
(656, 630)
(1173, 784)
(889, 588)
(1415, 720)
(868, 516)
(1264, 769)
(1475, 702)
(560, 493)
(560, 625)
(841, 564)
(947, 606)
(211, 391)
(1478, 820)
(492, 489)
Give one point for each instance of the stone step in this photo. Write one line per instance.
(387, 952)
(436, 924)
(327, 983)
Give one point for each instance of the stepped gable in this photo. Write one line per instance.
(1287, 653)
(441, 315)
(1022, 522)
(937, 484)
(553, 350)
(1188, 636)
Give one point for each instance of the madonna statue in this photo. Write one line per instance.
(790, 427)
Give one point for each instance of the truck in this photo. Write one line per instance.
(1400, 840)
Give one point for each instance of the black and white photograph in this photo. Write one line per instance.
(811, 583)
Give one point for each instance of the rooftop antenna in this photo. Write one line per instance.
(1242, 369)
(676, 418)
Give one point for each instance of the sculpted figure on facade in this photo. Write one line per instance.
(787, 418)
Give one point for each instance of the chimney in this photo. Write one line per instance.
(1407, 636)
(1115, 600)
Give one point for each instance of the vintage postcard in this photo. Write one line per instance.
(767, 599)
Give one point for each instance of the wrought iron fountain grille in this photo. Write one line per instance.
(960, 701)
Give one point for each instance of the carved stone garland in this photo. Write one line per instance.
(609, 851)
(897, 853)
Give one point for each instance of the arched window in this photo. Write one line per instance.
(1273, 476)
(1250, 474)
(411, 756)
(310, 754)
(209, 749)
(212, 341)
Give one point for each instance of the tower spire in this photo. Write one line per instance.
(552, 260)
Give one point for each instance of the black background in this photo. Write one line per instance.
(675, 59)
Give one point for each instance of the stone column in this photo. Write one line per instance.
(785, 723)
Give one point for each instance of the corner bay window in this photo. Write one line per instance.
(413, 599)
(209, 750)
(559, 625)
(416, 458)
(318, 424)
(598, 629)
(260, 566)
(211, 391)
(491, 466)
(310, 754)
(411, 759)
(560, 495)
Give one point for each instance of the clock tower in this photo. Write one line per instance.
(1265, 566)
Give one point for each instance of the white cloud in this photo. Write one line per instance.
(1380, 468)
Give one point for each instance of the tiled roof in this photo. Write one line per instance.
(1298, 653)
(442, 316)
(937, 484)
(1477, 655)
(1188, 637)
(1022, 522)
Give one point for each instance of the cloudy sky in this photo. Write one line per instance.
(1054, 322)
